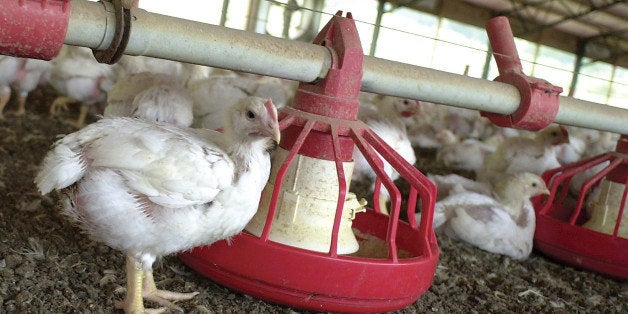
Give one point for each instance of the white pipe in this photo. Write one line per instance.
(155, 35)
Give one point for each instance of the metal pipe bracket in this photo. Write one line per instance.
(539, 102)
(114, 52)
(538, 107)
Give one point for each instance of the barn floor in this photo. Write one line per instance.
(48, 265)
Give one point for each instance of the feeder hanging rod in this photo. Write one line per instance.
(92, 25)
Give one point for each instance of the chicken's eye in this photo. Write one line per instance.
(250, 115)
(534, 184)
(406, 102)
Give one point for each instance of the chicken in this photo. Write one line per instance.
(78, 77)
(152, 189)
(22, 74)
(451, 184)
(467, 123)
(128, 65)
(468, 154)
(522, 154)
(425, 127)
(501, 224)
(212, 94)
(386, 122)
(596, 143)
(152, 96)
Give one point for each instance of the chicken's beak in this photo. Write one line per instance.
(276, 134)
(545, 191)
(272, 131)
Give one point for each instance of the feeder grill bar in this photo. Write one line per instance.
(91, 25)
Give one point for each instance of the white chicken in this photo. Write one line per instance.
(467, 123)
(452, 183)
(128, 65)
(78, 77)
(386, 122)
(152, 189)
(522, 154)
(213, 93)
(596, 143)
(22, 74)
(152, 96)
(468, 154)
(425, 127)
(502, 224)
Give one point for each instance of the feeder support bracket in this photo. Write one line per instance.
(336, 95)
(114, 52)
(539, 99)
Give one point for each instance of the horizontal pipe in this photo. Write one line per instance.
(91, 25)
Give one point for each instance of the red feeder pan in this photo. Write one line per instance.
(396, 261)
(595, 238)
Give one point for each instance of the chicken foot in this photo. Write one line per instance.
(21, 105)
(141, 285)
(162, 297)
(60, 104)
(80, 120)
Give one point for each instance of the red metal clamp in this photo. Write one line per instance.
(539, 99)
(33, 29)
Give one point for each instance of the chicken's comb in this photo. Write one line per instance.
(271, 109)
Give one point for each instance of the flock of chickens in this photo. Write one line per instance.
(182, 153)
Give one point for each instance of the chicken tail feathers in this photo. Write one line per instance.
(61, 168)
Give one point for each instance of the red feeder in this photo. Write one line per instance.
(33, 29)
(593, 233)
(321, 251)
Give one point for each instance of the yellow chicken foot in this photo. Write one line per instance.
(134, 300)
(60, 104)
(141, 286)
(163, 297)
(80, 121)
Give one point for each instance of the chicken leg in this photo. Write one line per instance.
(133, 302)
(141, 285)
(80, 120)
(61, 104)
(5, 95)
(21, 105)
